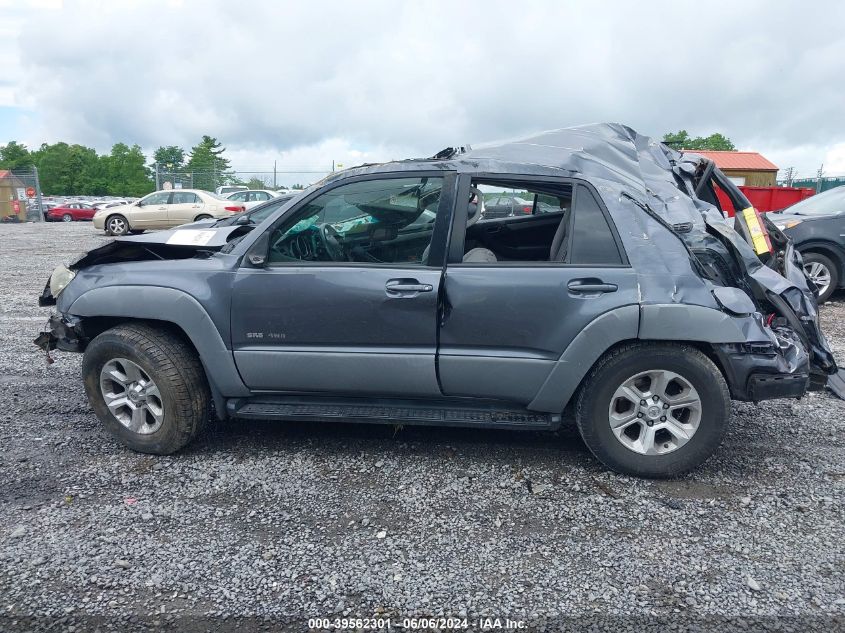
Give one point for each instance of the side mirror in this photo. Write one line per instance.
(242, 220)
(257, 254)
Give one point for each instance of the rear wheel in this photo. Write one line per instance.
(67, 217)
(204, 216)
(147, 386)
(653, 410)
(823, 272)
(117, 225)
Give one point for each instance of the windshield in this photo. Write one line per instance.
(826, 203)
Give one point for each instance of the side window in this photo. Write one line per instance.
(592, 240)
(160, 197)
(184, 197)
(527, 222)
(260, 196)
(239, 197)
(387, 221)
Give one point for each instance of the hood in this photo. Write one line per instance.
(178, 243)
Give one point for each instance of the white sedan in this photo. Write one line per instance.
(163, 210)
(251, 197)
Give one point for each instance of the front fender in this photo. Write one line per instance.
(173, 306)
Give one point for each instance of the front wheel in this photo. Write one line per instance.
(653, 410)
(117, 225)
(67, 217)
(823, 272)
(147, 386)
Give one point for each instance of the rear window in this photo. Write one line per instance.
(592, 240)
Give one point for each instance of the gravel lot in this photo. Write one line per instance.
(263, 525)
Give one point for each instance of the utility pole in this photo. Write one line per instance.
(789, 176)
(38, 193)
(274, 175)
(819, 175)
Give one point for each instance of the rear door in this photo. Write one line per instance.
(347, 301)
(507, 323)
(183, 207)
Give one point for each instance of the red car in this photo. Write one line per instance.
(70, 212)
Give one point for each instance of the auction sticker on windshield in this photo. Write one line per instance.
(191, 237)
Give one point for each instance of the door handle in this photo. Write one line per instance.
(398, 287)
(590, 286)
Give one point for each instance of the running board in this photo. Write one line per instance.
(426, 413)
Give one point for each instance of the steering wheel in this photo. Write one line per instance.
(330, 239)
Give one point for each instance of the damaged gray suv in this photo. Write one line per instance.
(620, 293)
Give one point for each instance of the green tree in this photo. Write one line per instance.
(170, 158)
(126, 173)
(68, 169)
(14, 155)
(256, 183)
(682, 140)
(209, 167)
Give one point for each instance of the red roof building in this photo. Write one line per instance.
(744, 168)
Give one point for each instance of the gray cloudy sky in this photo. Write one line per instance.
(309, 82)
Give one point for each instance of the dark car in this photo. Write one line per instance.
(506, 206)
(377, 296)
(71, 212)
(817, 228)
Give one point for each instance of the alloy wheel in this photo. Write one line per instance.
(655, 412)
(117, 226)
(131, 396)
(819, 275)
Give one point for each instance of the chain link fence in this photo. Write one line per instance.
(211, 180)
(20, 196)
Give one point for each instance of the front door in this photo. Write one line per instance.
(151, 212)
(347, 301)
(507, 322)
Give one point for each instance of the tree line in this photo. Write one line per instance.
(74, 170)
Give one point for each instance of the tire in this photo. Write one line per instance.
(705, 423)
(176, 375)
(203, 216)
(819, 268)
(67, 217)
(117, 225)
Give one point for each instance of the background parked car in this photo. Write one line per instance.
(163, 210)
(505, 207)
(817, 227)
(71, 212)
(255, 215)
(106, 204)
(251, 197)
(223, 190)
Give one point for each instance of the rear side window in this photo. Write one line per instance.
(592, 240)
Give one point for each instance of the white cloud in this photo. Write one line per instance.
(313, 81)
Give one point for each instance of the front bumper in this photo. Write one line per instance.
(64, 333)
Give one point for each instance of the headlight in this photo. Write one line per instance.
(788, 225)
(60, 279)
